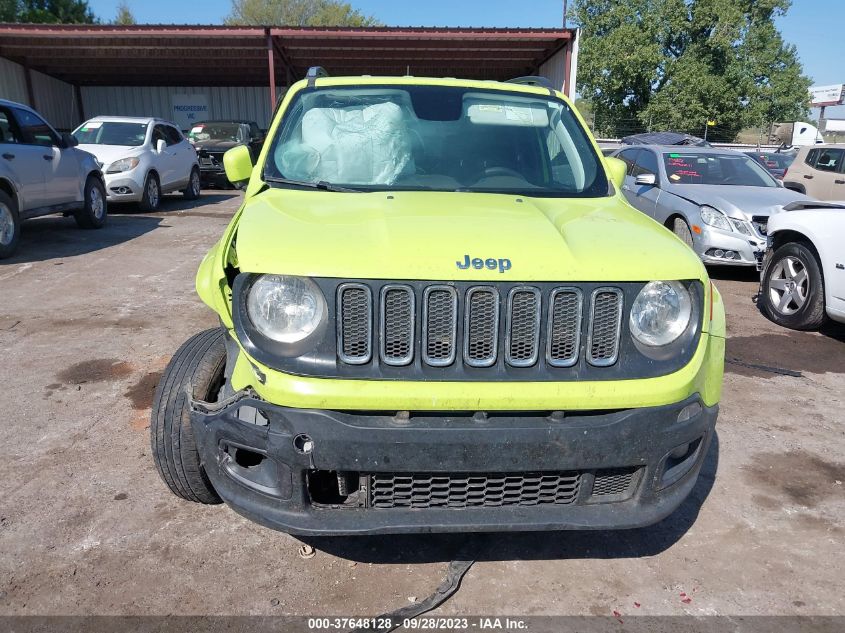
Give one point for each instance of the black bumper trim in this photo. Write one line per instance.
(459, 443)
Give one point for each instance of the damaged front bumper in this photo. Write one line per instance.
(320, 472)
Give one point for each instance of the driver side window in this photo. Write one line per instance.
(35, 130)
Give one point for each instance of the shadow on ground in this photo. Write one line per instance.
(56, 237)
(429, 548)
(176, 203)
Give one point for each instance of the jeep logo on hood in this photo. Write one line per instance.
(489, 263)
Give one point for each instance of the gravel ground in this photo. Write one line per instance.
(88, 321)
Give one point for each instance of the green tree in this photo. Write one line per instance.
(124, 15)
(298, 13)
(675, 64)
(47, 11)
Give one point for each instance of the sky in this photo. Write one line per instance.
(802, 25)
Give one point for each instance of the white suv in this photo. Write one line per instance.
(143, 158)
(42, 172)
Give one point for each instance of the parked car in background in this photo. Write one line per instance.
(776, 163)
(717, 201)
(818, 171)
(803, 271)
(143, 158)
(212, 139)
(43, 172)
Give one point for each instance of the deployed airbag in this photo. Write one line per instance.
(367, 145)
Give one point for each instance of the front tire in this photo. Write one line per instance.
(197, 368)
(681, 229)
(192, 192)
(793, 288)
(10, 226)
(93, 215)
(151, 198)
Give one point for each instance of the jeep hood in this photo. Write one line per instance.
(422, 235)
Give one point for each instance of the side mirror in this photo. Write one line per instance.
(616, 169)
(69, 140)
(161, 145)
(238, 165)
(646, 180)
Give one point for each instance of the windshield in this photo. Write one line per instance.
(216, 132)
(693, 168)
(111, 133)
(435, 138)
(776, 161)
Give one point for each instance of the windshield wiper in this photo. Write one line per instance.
(321, 184)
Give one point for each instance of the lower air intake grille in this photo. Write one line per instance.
(470, 490)
(613, 482)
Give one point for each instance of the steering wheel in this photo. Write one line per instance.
(730, 180)
(502, 171)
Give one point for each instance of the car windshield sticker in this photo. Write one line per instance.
(681, 169)
(92, 125)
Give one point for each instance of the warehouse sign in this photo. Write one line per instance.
(189, 109)
(826, 95)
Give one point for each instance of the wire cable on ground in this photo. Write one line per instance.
(454, 574)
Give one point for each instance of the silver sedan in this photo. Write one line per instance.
(717, 201)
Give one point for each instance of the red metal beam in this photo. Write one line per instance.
(271, 54)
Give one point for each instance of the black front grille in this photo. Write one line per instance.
(440, 325)
(606, 319)
(397, 325)
(356, 315)
(523, 326)
(482, 327)
(436, 325)
(470, 490)
(564, 327)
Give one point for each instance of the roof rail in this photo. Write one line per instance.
(315, 72)
(531, 80)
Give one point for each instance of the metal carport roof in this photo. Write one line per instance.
(225, 55)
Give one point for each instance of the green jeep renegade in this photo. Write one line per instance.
(437, 313)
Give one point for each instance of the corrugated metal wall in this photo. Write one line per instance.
(54, 99)
(555, 69)
(250, 103)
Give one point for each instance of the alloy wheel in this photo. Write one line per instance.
(789, 285)
(152, 192)
(98, 207)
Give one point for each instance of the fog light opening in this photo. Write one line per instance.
(247, 459)
(679, 461)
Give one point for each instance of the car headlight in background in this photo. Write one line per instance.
(660, 313)
(742, 226)
(715, 218)
(124, 164)
(285, 309)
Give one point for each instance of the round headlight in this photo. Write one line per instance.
(285, 309)
(661, 313)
